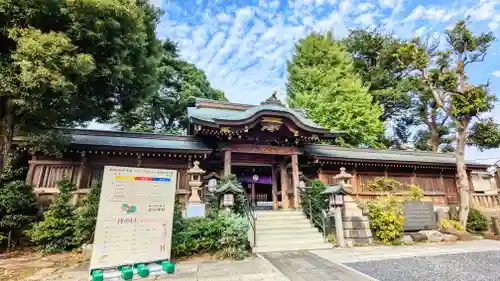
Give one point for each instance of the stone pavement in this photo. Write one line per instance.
(347, 255)
(251, 269)
(303, 265)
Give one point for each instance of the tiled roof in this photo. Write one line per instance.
(212, 115)
(136, 140)
(380, 155)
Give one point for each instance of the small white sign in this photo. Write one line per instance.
(195, 210)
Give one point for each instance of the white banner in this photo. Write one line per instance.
(134, 222)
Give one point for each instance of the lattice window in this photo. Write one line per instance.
(47, 176)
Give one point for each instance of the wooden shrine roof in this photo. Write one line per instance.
(328, 152)
(221, 113)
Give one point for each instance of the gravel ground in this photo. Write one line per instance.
(478, 266)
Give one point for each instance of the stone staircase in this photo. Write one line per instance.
(286, 230)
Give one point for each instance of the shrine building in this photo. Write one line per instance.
(269, 147)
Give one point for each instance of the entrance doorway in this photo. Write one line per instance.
(258, 183)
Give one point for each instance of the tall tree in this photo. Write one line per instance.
(164, 111)
(373, 53)
(322, 79)
(435, 131)
(461, 101)
(66, 62)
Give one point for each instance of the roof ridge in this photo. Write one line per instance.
(111, 133)
(221, 102)
(329, 146)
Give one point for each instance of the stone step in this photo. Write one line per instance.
(291, 247)
(286, 232)
(289, 236)
(261, 241)
(278, 213)
(281, 225)
(283, 222)
(281, 217)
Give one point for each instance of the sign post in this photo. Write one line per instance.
(134, 222)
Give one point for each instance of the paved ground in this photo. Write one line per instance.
(303, 265)
(251, 269)
(475, 260)
(476, 266)
(348, 255)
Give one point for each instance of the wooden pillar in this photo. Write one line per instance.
(354, 182)
(414, 176)
(227, 162)
(284, 185)
(139, 160)
(295, 180)
(497, 177)
(254, 199)
(275, 189)
(322, 176)
(79, 179)
(31, 171)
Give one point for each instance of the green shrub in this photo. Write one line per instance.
(223, 233)
(315, 200)
(416, 193)
(385, 184)
(56, 231)
(450, 224)
(233, 239)
(332, 238)
(86, 216)
(386, 219)
(17, 208)
(476, 221)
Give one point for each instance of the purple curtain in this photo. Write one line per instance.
(261, 180)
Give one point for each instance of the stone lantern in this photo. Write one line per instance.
(195, 207)
(228, 189)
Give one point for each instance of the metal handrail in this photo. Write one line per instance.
(252, 217)
(311, 214)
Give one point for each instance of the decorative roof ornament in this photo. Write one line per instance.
(229, 184)
(273, 99)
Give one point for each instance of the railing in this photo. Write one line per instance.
(315, 215)
(481, 200)
(252, 217)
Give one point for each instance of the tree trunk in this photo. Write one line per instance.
(463, 181)
(9, 240)
(7, 131)
(434, 141)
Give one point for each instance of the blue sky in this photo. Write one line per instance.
(243, 46)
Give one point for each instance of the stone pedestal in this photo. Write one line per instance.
(357, 231)
(195, 208)
(351, 208)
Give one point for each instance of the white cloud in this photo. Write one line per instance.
(496, 73)
(420, 31)
(485, 11)
(365, 6)
(367, 19)
(224, 18)
(493, 25)
(243, 49)
(432, 14)
(157, 3)
(388, 3)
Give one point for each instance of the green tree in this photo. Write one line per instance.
(372, 51)
(164, 111)
(17, 208)
(56, 231)
(444, 74)
(322, 79)
(86, 216)
(63, 63)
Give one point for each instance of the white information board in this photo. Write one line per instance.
(134, 221)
